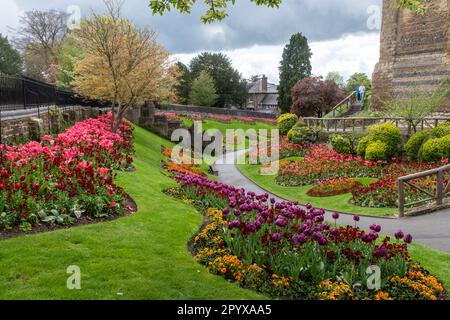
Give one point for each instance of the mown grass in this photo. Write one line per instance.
(222, 127)
(337, 203)
(143, 256)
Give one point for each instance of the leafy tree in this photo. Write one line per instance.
(10, 59)
(217, 8)
(122, 63)
(294, 66)
(231, 88)
(356, 80)
(183, 87)
(203, 92)
(40, 36)
(69, 54)
(336, 77)
(313, 96)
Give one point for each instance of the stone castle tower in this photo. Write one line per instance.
(415, 50)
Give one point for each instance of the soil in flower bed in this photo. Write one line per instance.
(130, 205)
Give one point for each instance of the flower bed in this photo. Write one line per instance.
(321, 163)
(57, 181)
(288, 252)
(333, 187)
(227, 119)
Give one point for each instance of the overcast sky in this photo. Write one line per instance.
(343, 34)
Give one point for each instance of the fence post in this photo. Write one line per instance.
(440, 188)
(401, 199)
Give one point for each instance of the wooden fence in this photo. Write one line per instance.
(438, 198)
(348, 125)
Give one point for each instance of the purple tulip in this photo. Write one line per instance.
(237, 213)
(234, 224)
(408, 238)
(335, 232)
(375, 227)
(399, 235)
(320, 219)
(356, 218)
(226, 211)
(382, 251)
(302, 239)
(309, 206)
(276, 237)
(322, 241)
(281, 222)
(335, 215)
(366, 238)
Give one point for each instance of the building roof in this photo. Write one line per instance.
(256, 87)
(270, 100)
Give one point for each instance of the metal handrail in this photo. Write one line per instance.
(441, 191)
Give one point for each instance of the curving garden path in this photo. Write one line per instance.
(432, 229)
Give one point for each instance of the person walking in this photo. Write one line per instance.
(362, 92)
(358, 94)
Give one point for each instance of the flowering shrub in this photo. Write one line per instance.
(333, 187)
(286, 251)
(62, 179)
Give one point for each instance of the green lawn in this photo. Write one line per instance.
(143, 256)
(338, 203)
(210, 124)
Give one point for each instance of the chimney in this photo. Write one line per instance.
(264, 84)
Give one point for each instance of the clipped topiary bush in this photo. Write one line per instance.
(345, 144)
(387, 133)
(415, 144)
(340, 144)
(434, 150)
(377, 150)
(362, 146)
(302, 135)
(286, 122)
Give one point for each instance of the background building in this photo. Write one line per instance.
(263, 96)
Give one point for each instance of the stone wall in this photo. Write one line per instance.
(181, 109)
(159, 124)
(415, 50)
(37, 125)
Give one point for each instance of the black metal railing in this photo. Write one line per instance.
(20, 92)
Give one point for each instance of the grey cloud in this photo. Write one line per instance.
(246, 25)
